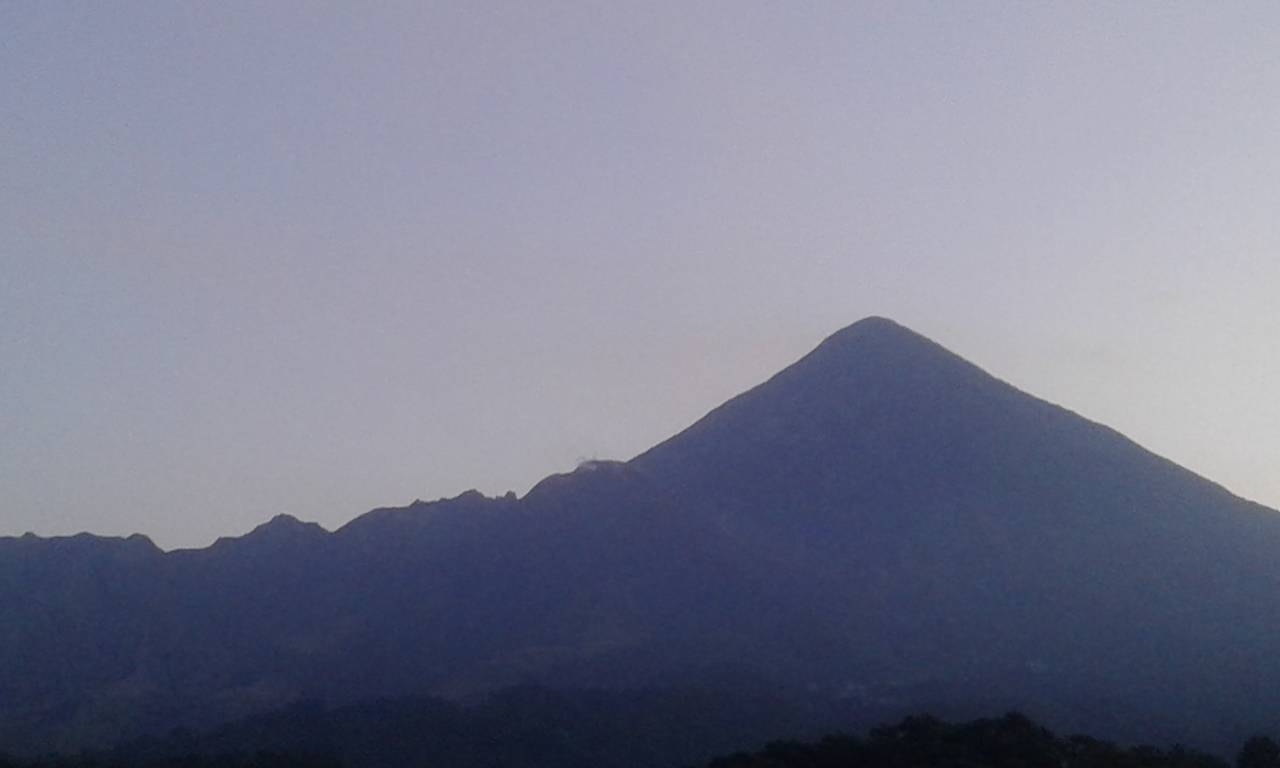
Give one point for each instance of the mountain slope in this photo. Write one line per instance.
(964, 528)
(881, 520)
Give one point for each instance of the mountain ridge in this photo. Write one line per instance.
(882, 515)
(878, 331)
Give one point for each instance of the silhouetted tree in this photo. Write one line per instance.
(1259, 752)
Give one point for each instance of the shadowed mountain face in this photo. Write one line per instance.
(882, 521)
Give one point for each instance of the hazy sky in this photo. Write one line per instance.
(271, 257)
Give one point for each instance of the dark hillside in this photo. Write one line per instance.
(881, 521)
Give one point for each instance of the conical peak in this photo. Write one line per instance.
(873, 324)
(866, 387)
(879, 347)
(878, 331)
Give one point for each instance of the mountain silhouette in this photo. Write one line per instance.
(881, 522)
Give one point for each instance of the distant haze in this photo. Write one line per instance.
(313, 259)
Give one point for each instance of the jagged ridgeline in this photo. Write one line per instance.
(881, 523)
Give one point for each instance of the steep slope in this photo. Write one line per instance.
(879, 415)
(881, 520)
(961, 528)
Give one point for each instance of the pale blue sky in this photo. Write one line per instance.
(315, 258)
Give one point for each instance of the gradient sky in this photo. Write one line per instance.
(308, 258)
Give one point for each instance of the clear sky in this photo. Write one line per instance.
(310, 258)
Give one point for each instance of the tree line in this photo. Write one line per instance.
(921, 741)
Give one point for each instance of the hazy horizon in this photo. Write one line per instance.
(313, 260)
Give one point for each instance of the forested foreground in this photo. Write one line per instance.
(922, 741)
(524, 726)
(1012, 741)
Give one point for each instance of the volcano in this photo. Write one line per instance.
(881, 522)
